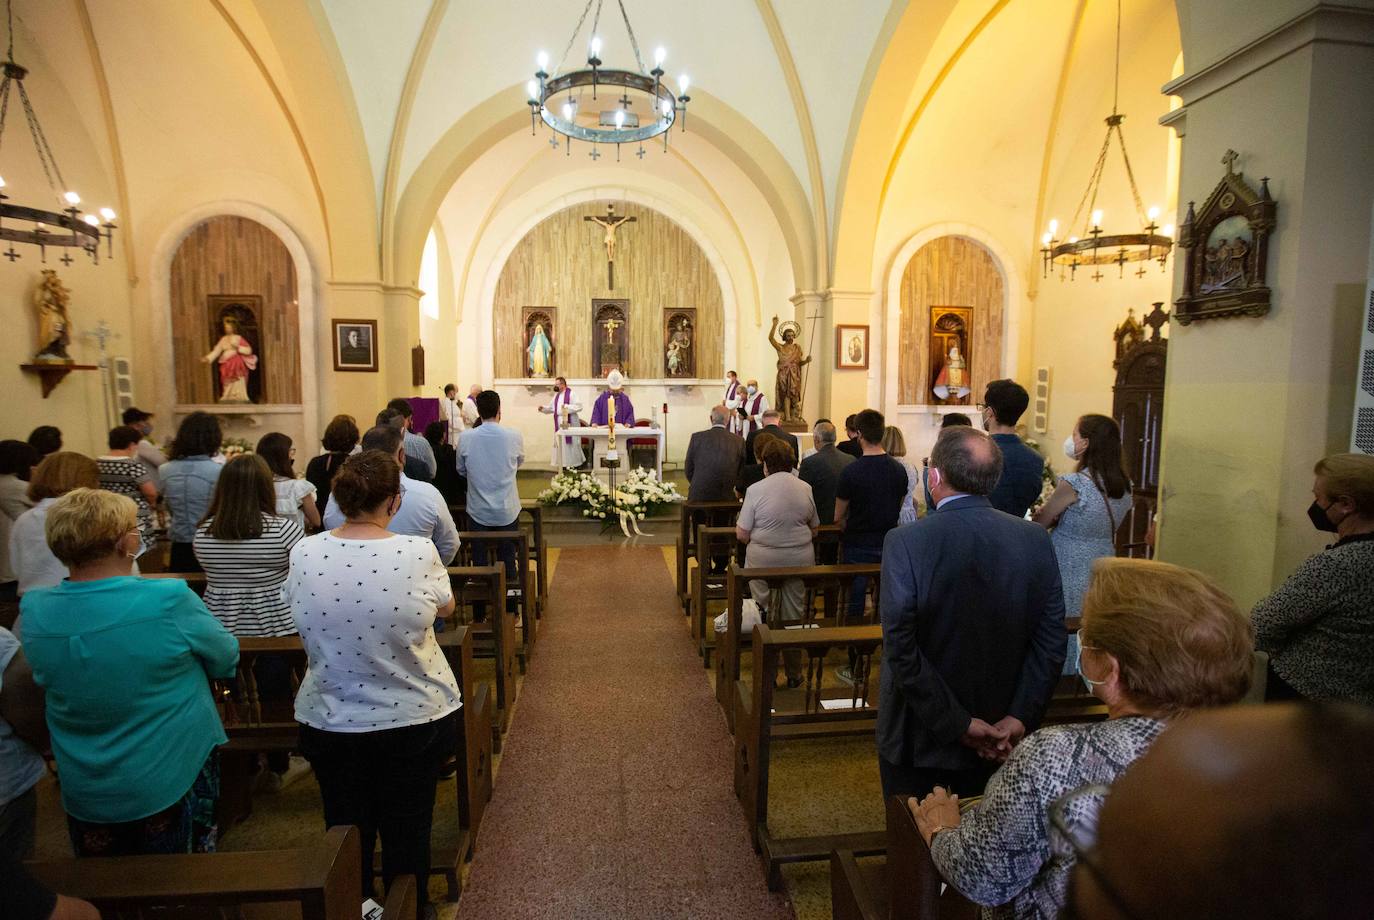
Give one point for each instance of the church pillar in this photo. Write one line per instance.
(396, 310)
(1252, 403)
(810, 311)
(851, 391)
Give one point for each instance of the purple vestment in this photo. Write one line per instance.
(624, 410)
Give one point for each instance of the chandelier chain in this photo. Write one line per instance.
(1116, 81)
(634, 42)
(40, 141)
(9, 21)
(1090, 193)
(576, 29)
(1130, 175)
(4, 106)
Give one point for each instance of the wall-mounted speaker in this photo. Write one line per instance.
(122, 379)
(1040, 401)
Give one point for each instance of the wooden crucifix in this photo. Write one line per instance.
(610, 222)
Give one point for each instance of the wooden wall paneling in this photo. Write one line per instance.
(234, 255)
(949, 271)
(562, 262)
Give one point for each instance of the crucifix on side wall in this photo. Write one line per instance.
(610, 222)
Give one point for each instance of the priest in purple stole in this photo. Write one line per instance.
(624, 409)
(564, 407)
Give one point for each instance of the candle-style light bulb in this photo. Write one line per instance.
(533, 89)
(1097, 218)
(1045, 240)
(2, 183)
(1168, 231)
(683, 82)
(1152, 214)
(568, 111)
(73, 198)
(1073, 239)
(92, 220)
(108, 215)
(620, 118)
(667, 108)
(542, 59)
(660, 55)
(1054, 228)
(596, 46)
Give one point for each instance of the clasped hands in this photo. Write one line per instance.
(994, 742)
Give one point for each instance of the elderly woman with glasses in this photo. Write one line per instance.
(1157, 641)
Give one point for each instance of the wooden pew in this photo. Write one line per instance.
(708, 586)
(492, 540)
(764, 715)
(827, 584)
(253, 727)
(693, 515)
(867, 892)
(323, 882)
(196, 581)
(539, 553)
(493, 638)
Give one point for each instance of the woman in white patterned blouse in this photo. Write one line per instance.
(1157, 641)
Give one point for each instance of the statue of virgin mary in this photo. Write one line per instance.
(539, 351)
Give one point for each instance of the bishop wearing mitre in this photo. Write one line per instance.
(624, 412)
(564, 407)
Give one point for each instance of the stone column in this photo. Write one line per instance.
(1252, 403)
(852, 390)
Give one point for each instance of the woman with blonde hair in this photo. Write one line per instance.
(1157, 642)
(1318, 627)
(894, 443)
(124, 663)
(34, 564)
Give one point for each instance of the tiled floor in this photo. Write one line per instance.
(614, 797)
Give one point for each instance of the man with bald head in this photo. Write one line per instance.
(714, 459)
(973, 628)
(1243, 813)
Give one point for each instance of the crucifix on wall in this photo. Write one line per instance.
(610, 222)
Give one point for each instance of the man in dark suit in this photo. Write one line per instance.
(714, 458)
(1022, 468)
(822, 469)
(973, 629)
(851, 443)
(770, 424)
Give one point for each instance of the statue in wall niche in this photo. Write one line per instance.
(54, 325)
(236, 362)
(951, 384)
(788, 391)
(539, 352)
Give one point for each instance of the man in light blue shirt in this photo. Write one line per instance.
(488, 456)
(423, 510)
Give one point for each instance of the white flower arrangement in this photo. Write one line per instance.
(638, 496)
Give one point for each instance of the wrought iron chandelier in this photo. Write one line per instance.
(65, 228)
(567, 102)
(1096, 247)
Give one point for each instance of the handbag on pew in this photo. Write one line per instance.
(749, 618)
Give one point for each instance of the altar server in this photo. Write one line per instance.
(564, 407)
(624, 409)
(752, 407)
(452, 411)
(734, 398)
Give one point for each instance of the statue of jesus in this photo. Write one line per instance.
(610, 222)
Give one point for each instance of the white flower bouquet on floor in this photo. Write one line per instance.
(581, 491)
(639, 495)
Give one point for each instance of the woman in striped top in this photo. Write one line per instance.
(245, 550)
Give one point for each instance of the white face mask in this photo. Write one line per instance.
(752, 390)
(729, 381)
(1070, 449)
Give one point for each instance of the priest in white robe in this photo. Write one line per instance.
(733, 399)
(452, 411)
(752, 407)
(564, 407)
(470, 416)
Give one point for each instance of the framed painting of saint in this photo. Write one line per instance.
(851, 348)
(355, 345)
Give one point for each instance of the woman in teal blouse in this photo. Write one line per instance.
(123, 661)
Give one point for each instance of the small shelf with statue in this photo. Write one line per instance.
(52, 363)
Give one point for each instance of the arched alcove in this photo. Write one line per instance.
(226, 266)
(950, 276)
(561, 264)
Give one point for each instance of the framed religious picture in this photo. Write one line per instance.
(679, 342)
(851, 348)
(1225, 247)
(539, 360)
(355, 345)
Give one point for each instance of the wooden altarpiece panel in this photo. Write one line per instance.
(539, 355)
(1138, 407)
(1225, 249)
(679, 342)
